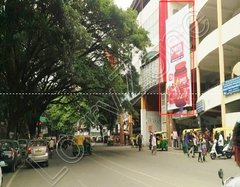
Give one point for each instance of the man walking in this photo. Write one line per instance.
(175, 139)
(140, 142)
(154, 144)
(150, 141)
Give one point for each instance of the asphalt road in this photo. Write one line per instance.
(123, 166)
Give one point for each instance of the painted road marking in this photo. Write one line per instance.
(42, 172)
(138, 172)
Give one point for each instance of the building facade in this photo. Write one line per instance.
(217, 54)
(211, 46)
(148, 14)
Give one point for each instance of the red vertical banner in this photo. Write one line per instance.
(178, 63)
(174, 57)
(163, 14)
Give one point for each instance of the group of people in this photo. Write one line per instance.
(199, 142)
(138, 141)
(195, 142)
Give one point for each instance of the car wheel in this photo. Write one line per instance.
(213, 156)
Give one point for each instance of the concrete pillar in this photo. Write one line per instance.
(198, 73)
(144, 130)
(221, 60)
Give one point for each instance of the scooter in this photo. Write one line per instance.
(229, 182)
(227, 151)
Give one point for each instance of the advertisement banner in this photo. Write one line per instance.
(178, 65)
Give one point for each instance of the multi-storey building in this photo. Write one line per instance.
(200, 37)
(148, 104)
(217, 54)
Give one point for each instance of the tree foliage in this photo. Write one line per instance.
(53, 48)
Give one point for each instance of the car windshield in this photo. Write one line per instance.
(38, 143)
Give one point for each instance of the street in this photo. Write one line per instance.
(124, 166)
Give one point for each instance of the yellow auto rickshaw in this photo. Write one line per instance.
(162, 140)
(189, 130)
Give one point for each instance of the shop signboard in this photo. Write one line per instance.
(231, 86)
(178, 63)
(200, 106)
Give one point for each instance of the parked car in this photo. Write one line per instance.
(1, 177)
(2, 164)
(37, 152)
(23, 145)
(8, 154)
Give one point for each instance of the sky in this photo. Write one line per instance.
(124, 4)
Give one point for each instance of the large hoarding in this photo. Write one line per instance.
(178, 65)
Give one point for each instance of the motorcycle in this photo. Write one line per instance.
(227, 151)
(229, 182)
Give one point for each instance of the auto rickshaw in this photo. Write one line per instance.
(162, 140)
(188, 131)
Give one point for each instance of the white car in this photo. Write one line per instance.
(37, 152)
(2, 164)
(1, 177)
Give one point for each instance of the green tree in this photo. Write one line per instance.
(51, 48)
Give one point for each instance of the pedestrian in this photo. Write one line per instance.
(139, 142)
(171, 139)
(185, 142)
(207, 137)
(204, 148)
(175, 139)
(199, 148)
(154, 145)
(150, 140)
(132, 141)
(192, 144)
(51, 144)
